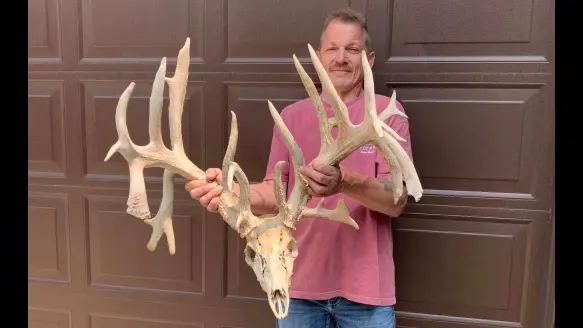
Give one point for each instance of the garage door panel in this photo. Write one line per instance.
(494, 33)
(48, 237)
(48, 303)
(104, 312)
(493, 265)
(117, 321)
(48, 318)
(118, 254)
(449, 121)
(44, 31)
(47, 151)
(115, 33)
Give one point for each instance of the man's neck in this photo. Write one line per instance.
(345, 96)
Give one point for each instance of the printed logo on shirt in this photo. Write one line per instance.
(368, 149)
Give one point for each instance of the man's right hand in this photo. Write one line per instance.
(207, 192)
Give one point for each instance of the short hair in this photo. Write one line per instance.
(349, 16)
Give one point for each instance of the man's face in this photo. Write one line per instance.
(340, 54)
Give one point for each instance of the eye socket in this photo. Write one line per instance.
(250, 253)
(292, 248)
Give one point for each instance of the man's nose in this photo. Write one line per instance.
(340, 57)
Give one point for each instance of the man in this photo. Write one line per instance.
(342, 276)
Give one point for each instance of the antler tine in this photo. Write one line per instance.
(177, 88)
(325, 126)
(338, 106)
(279, 191)
(137, 199)
(299, 195)
(398, 160)
(162, 222)
(156, 102)
(339, 214)
(236, 211)
(392, 109)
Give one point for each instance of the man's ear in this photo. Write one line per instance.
(371, 57)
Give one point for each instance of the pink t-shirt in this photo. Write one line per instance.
(334, 259)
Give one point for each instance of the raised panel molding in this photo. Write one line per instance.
(46, 129)
(119, 257)
(41, 318)
(487, 138)
(114, 32)
(466, 269)
(48, 237)
(44, 32)
(499, 31)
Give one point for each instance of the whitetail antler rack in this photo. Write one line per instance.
(270, 249)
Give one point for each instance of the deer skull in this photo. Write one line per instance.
(271, 249)
(271, 255)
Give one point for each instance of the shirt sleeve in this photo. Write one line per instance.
(278, 153)
(401, 126)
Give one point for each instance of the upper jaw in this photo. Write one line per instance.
(279, 303)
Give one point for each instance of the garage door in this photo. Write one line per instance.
(476, 78)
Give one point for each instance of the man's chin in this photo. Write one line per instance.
(341, 84)
(340, 75)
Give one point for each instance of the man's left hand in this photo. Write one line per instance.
(324, 180)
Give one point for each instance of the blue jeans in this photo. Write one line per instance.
(337, 312)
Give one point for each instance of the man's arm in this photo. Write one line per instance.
(262, 197)
(374, 193)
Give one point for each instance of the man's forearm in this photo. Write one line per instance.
(373, 193)
(262, 197)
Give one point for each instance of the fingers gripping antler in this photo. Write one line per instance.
(372, 130)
